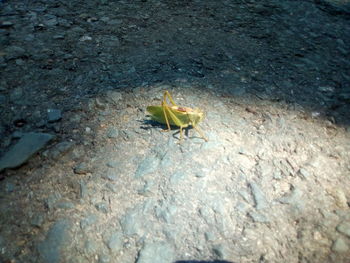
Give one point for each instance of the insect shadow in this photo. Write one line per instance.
(151, 124)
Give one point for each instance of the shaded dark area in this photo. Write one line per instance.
(55, 57)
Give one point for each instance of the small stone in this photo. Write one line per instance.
(51, 21)
(113, 164)
(110, 176)
(340, 246)
(209, 236)
(13, 52)
(304, 174)
(114, 96)
(2, 242)
(85, 38)
(258, 217)
(54, 115)
(83, 189)
(88, 221)
(6, 24)
(28, 145)
(61, 149)
(156, 253)
(82, 168)
(102, 207)
(52, 199)
(344, 228)
(90, 247)
(177, 177)
(37, 220)
(221, 251)
(9, 187)
(65, 205)
(104, 259)
(147, 166)
(112, 187)
(259, 196)
(115, 242)
(112, 133)
(16, 94)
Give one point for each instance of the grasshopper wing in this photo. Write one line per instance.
(156, 113)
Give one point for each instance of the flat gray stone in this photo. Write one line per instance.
(116, 241)
(112, 133)
(340, 246)
(29, 144)
(147, 166)
(344, 228)
(258, 217)
(259, 196)
(54, 115)
(57, 238)
(88, 221)
(156, 253)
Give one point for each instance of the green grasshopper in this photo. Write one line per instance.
(177, 116)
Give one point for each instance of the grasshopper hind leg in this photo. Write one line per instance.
(200, 133)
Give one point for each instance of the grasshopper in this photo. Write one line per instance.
(171, 114)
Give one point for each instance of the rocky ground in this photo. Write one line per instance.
(85, 176)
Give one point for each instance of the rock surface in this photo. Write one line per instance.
(270, 185)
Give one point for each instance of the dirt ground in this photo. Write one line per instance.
(86, 176)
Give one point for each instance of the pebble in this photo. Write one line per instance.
(344, 228)
(114, 96)
(291, 198)
(104, 259)
(6, 24)
(65, 205)
(9, 187)
(304, 173)
(13, 52)
(112, 187)
(116, 241)
(57, 238)
(16, 95)
(147, 166)
(166, 213)
(52, 199)
(37, 220)
(134, 221)
(340, 246)
(90, 247)
(54, 115)
(258, 217)
(259, 196)
(177, 177)
(60, 149)
(113, 164)
(2, 241)
(88, 221)
(83, 189)
(82, 168)
(102, 207)
(221, 251)
(27, 146)
(156, 253)
(112, 133)
(110, 176)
